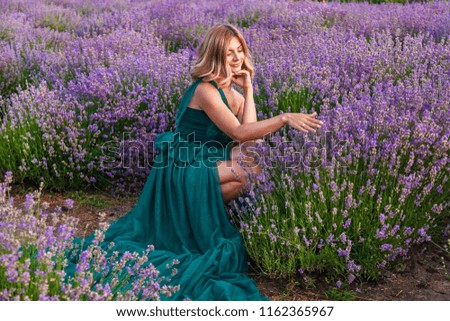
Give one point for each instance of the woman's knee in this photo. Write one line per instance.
(230, 171)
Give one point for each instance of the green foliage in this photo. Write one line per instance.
(85, 11)
(275, 239)
(14, 79)
(340, 295)
(31, 289)
(302, 100)
(188, 37)
(246, 21)
(93, 200)
(328, 22)
(25, 152)
(55, 22)
(20, 145)
(7, 35)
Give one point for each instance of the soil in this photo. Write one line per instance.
(423, 276)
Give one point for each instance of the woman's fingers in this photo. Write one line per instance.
(312, 116)
(305, 122)
(310, 123)
(300, 128)
(314, 123)
(241, 78)
(242, 71)
(305, 126)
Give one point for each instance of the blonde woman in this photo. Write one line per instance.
(181, 209)
(223, 60)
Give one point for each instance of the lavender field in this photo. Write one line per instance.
(86, 85)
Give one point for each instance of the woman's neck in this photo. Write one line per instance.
(226, 87)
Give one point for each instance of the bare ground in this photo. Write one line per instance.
(423, 276)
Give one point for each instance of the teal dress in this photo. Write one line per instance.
(181, 212)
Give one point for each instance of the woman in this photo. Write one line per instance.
(223, 58)
(181, 209)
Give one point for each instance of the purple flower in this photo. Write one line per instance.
(351, 278)
(315, 187)
(347, 223)
(382, 265)
(330, 238)
(422, 232)
(29, 201)
(106, 80)
(69, 203)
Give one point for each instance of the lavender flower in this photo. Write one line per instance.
(69, 203)
(80, 82)
(33, 257)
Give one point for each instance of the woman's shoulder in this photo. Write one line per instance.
(204, 83)
(206, 89)
(205, 94)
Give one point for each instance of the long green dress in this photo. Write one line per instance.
(181, 212)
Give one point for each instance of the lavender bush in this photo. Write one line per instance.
(34, 243)
(355, 197)
(86, 85)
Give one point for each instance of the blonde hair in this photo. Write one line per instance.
(211, 54)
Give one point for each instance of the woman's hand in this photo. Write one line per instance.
(242, 79)
(302, 122)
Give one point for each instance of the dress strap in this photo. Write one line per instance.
(185, 100)
(222, 94)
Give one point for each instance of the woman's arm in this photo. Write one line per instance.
(212, 104)
(249, 110)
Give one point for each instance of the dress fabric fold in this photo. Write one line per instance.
(181, 213)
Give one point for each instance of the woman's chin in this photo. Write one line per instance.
(235, 69)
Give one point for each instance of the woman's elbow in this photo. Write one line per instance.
(242, 136)
(238, 134)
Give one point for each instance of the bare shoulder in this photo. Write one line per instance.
(207, 95)
(205, 90)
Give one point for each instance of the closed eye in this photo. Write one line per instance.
(239, 49)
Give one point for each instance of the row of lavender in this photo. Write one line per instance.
(101, 71)
(99, 79)
(356, 197)
(35, 269)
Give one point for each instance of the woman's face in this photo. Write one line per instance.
(235, 54)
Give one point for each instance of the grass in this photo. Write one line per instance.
(97, 201)
(340, 295)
